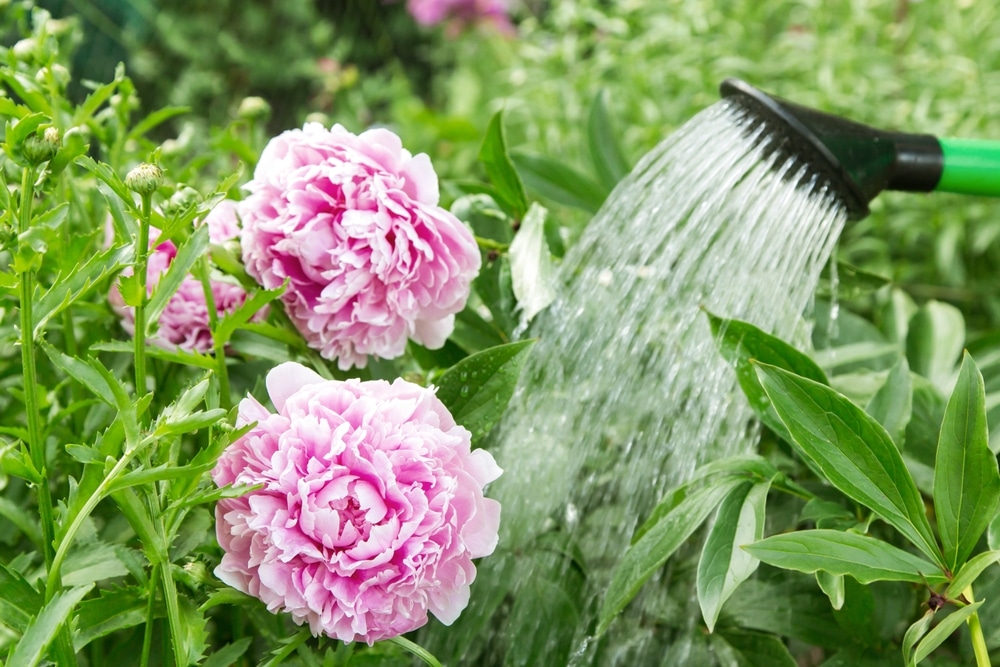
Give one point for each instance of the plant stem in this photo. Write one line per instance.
(976, 632)
(36, 442)
(141, 261)
(147, 635)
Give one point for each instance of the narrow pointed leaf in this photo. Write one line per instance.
(852, 451)
(892, 404)
(914, 634)
(30, 649)
(508, 187)
(74, 283)
(723, 564)
(934, 342)
(187, 254)
(602, 139)
(740, 342)
(944, 629)
(659, 542)
(970, 572)
(555, 180)
(865, 558)
(20, 602)
(966, 479)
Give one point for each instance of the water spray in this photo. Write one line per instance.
(857, 162)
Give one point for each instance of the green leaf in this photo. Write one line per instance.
(477, 389)
(833, 586)
(602, 139)
(500, 170)
(106, 174)
(934, 341)
(966, 479)
(228, 654)
(156, 118)
(30, 649)
(892, 404)
(494, 287)
(72, 284)
(740, 342)
(723, 564)
(91, 562)
(914, 633)
(243, 314)
(653, 549)
(865, 558)
(160, 473)
(176, 356)
(73, 146)
(116, 609)
(559, 182)
(19, 602)
(187, 254)
(82, 372)
(944, 629)
(757, 649)
(852, 451)
(970, 572)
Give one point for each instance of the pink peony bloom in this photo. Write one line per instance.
(184, 322)
(371, 507)
(461, 13)
(353, 222)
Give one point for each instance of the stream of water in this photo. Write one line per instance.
(625, 393)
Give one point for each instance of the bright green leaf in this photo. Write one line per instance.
(833, 586)
(477, 389)
(723, 564)
(187, 254)
(228, 654)
(851, 450)
(914, 633)
(30, 649)
(532, 271)
(500, 170)
(559, 182)
(867, 559)
(653, 549)
(942, 631)
(970, 572)
(966, 479)
(893, 402)
(934, 341)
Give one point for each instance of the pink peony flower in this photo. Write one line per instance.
(371, 507)
(353, 222)
(461, 13)
(184, 322)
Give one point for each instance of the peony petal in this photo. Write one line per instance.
(286, 379)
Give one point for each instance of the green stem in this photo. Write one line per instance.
(147, 635)
(416, 650)
(173, 609)
(976, 632)
(219, 346)
(36, 441)
(141, 261)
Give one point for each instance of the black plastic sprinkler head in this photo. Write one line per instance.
(857, 162)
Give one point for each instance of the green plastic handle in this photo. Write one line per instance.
(971, 167)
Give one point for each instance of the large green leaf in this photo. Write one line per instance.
(852, 451)
(740, 342)
(558, 181)
(966, 479)
(659, 542)
(892, 404)
(30, 649)
(867, 559)
(477, 389)
(500, 170)
(723, 564)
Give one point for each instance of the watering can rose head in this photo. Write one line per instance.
(370, 507)
(353, 222)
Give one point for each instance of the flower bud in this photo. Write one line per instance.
(184, 198)
(144, 179)
(40, 147)
(58, 72)
(254, 108)
(318, 117)
(24, 50)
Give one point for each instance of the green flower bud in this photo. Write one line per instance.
(40, 147)
(58, 72)
(144, 179)
(254, 108)
(24, 50)
(184, 198)
(318, 117)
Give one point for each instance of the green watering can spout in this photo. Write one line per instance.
(857, 162)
